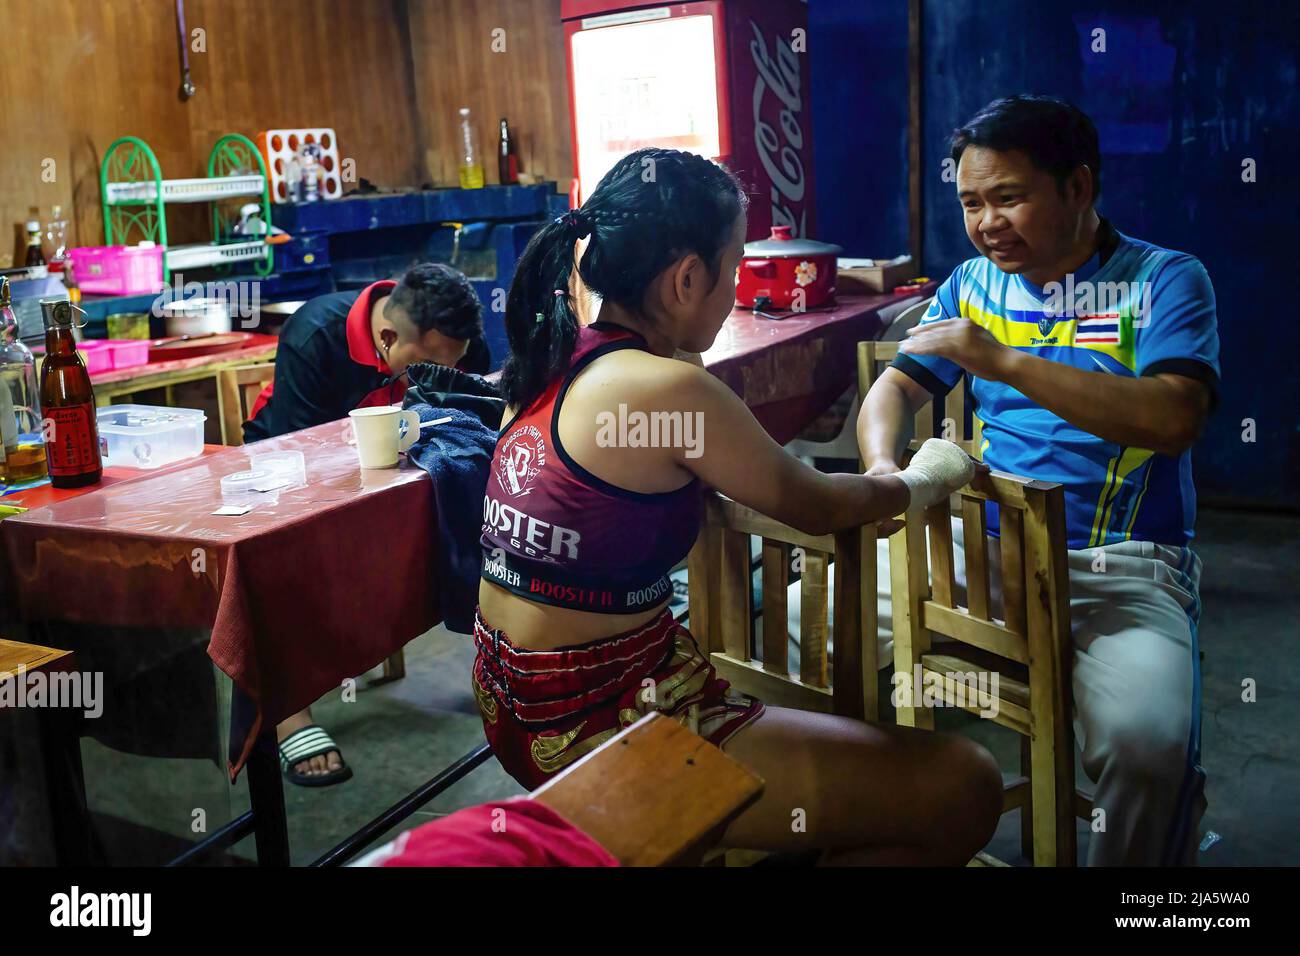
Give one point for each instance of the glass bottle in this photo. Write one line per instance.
(35, 257)
(71, 433)
(471, 165)
(22, 449)
(507, 161)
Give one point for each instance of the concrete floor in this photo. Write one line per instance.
(398, 735)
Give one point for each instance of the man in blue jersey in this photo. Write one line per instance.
(1092, 360)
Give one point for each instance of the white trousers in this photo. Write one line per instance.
(1136, 686)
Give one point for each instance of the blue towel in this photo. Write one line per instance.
(458, 457)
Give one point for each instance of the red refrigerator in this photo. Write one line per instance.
(728, 79)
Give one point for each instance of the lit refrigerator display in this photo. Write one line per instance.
(727, 79)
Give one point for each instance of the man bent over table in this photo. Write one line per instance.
(351, 350)
(1104, 392)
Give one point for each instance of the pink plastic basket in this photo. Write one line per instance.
(118, 270)
(97, 355)
(128, 353)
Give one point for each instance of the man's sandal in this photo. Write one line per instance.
(301, 745)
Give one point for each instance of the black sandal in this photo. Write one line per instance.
(311, 741)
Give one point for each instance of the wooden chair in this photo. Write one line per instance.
(1029, 649)
(237, 391)
(722, 621)
(59, 730)
(951, 420)
(654, 795)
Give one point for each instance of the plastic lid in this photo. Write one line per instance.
(243, 483)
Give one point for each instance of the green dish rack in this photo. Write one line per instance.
(135, 197)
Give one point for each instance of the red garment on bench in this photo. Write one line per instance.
(518, 832)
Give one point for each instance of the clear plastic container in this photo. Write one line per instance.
(147, 436)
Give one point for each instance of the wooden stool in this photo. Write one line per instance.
(654, 795)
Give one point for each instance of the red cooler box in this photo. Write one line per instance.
(728, 79)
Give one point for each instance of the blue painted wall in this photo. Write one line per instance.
(1184, 92)
(859, 103)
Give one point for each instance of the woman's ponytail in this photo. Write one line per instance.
(541, 324)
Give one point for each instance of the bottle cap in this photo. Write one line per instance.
(61, 314)
(33, 226)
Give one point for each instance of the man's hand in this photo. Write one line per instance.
(963, 342)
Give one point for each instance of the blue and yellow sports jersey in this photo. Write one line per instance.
(1133, 309)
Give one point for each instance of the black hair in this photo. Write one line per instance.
(1057, 136)
(652, 208)
(436, 296)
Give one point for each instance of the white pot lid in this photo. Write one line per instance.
(782, 245)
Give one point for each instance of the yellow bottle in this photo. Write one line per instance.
(471, 164)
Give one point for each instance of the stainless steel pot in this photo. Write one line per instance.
(197, 316)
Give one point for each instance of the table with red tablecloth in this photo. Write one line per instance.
(314, 585)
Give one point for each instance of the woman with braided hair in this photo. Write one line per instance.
(594, 496)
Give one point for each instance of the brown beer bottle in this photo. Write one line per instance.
(71, 434)
(507, 161)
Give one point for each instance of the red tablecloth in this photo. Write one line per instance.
(314, 585)
(789, 371)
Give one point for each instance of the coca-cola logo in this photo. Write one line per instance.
(781, 76)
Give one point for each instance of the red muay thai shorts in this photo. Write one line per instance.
(542, 710)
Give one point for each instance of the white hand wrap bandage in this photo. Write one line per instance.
(937, 470)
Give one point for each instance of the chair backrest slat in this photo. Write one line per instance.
(814, 619)
(976, 548)
(736, 597)
(942, 579)
(855, 658)
(776, 578)
(1011, 542)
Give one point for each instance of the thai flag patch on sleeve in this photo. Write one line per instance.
(1097, 329)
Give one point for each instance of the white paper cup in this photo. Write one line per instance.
(379, 435)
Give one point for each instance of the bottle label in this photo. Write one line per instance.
(73, 448)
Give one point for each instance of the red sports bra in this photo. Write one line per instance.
(555, 533)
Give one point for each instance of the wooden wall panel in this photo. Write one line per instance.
(455, 66)
(76, 74)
